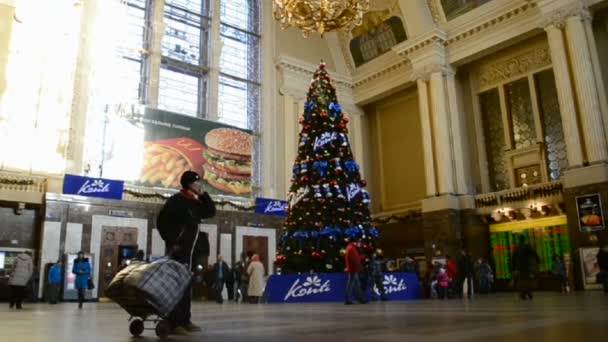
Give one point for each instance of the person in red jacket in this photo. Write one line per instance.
(451, 268)
(353, 267)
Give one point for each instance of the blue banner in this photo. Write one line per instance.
(93, 187)
(266, 206)
(310, 288)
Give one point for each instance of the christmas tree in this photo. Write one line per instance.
(327, 202)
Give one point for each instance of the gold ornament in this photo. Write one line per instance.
(343, 252)
(319, 15)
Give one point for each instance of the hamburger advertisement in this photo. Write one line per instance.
(175, 143)
(590, 213)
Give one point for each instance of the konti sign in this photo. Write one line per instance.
(92, 187)
(310, 288)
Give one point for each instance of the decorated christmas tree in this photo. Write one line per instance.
(327, 202)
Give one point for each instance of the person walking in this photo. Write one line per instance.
(524, 264)
(54, 282)
(353, 267)
(19, 278)
(82, 270)
(239, 272)
(230, 284)
(177, 224)
(465, 274)
(602, 262)
(560, 270)
(443, 283)
(377, 276)
(486, 276)
(221, 272)
(255, 270)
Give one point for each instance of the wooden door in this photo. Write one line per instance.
(111, 238)
(259, 246)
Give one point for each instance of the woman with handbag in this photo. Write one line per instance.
(82, 270)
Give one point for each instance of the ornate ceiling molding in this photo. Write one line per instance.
(376, 74)
(482, 25)
(494, 74)
(288, 64)
(436, 11)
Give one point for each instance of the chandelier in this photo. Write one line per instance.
(319, 15)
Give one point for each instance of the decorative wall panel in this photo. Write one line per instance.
(495, 139)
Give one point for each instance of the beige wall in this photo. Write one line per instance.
(600, 30)
(6, 23)
(397, 168)
(290, 42)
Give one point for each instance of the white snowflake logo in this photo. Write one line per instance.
(312, 281)
(390, 280)
(98, 183)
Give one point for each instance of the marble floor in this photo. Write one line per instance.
(550, 317)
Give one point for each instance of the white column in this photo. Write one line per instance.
(441, 133)
(290, 143)
(427, 138)
(597, 72)
(155, 53)
(460, 153)
(565, 95)
(356, 141)
(214, 61)
(7, 12)
(586, 90)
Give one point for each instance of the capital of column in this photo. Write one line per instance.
(557, 17)
(424, 72)
(11, 3)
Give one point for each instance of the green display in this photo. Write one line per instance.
(547, 241)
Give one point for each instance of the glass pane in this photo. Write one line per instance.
(495, 139)
(240, 54)
(131, 79)
(522, 117)
(555, 144)
(195, 6)
(136, 28)
(454, 8)
(243, 14)
(178, 92)
(182, 39)
(235, 98)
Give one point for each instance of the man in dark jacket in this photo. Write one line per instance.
(602, 262)
(221, 274)
(465, 273)
(177, 224)
(524, 264)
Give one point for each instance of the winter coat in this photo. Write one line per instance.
(82, 270)
(602, 259)
(226, 271)
(377, 268)
(443, 280)
(22, 270)
(256, 279)
(178, 223)
(465, 267)
(55, 274)
(559, 269)
(451, 269)
(525, 261)
(352, 258)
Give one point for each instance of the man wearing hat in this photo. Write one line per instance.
(177, 224)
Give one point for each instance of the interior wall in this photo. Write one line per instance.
(18, 231)
(290, 42)
(396, 153)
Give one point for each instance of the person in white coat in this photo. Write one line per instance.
(256, 279)
(20, 275)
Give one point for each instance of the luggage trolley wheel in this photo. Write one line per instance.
(163, 328)
(136, 327)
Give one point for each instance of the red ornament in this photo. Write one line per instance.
(305, 179)
(346, 120)
(324, 115)
(363, 183)
(342, 126)
(316, 255)
(281, 259)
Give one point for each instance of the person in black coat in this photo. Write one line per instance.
(466, 272)
(221, 274)
(602, 262)
(524, 264)
(178, 224)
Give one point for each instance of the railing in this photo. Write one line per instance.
(23, 183)
(533, 192)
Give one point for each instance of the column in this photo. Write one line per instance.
(155, 53)
(214, 61)
(441, 132)
(565, 95)
(427, 137)
(290, 143)
(7, 11)
(459, 142)
(597, 71)
(586, 90)
(356, 141)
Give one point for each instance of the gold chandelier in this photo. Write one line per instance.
(319, 15)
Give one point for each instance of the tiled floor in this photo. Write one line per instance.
(550, 317)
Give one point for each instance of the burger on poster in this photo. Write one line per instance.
(228, 160)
